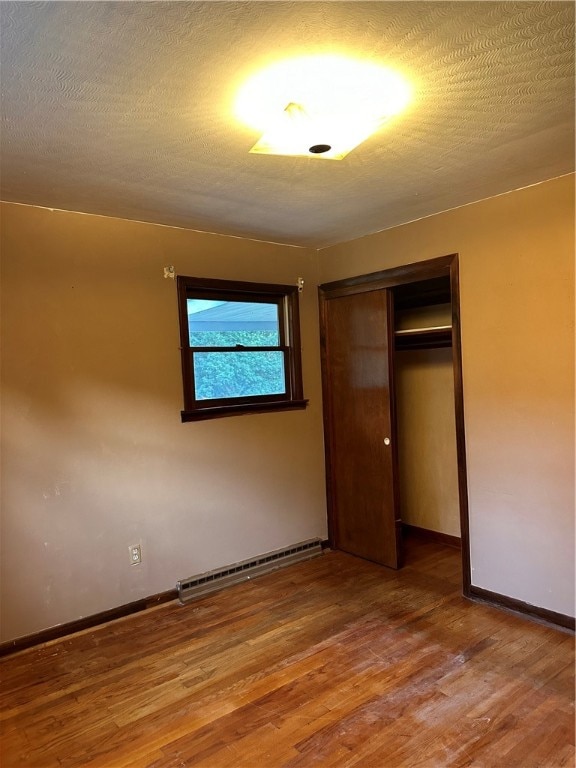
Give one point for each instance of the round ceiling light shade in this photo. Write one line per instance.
(319, 100)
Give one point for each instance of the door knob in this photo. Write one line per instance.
(386, 441)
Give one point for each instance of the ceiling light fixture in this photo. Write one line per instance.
(319, 106)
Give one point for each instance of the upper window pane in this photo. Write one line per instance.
(232, 323)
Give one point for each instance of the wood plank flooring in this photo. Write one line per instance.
(336, 662)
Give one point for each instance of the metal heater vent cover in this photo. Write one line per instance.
(210, 581)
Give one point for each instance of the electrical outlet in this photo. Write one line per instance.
(135, 554)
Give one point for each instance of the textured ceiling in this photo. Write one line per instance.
(125, 109)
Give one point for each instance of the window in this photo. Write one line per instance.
(240, 348)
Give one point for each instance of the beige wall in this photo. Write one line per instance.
(94, 455)
(517, 304)
(426, 424)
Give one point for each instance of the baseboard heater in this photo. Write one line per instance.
(211, 581)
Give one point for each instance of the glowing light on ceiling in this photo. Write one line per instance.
(319, 106)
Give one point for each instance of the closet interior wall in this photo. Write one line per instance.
(425, 417)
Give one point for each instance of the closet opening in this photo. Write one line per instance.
(429, 505)
(393, 413)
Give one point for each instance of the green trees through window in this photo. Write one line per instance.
(237, 374)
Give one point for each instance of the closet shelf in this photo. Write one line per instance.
(424, 338)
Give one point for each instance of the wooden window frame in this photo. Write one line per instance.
(286, 297)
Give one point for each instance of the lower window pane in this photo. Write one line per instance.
(238, 374)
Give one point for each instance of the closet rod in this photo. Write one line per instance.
(408, 331)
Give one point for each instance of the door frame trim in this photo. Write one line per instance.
(389, 278)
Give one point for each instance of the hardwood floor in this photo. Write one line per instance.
(333, 662)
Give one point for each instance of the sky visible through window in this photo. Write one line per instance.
(199, 305)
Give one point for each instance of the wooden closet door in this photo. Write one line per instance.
(361, 472)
